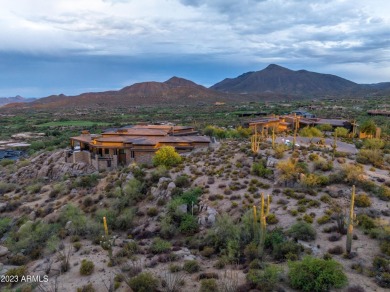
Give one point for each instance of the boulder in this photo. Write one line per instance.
(182, 209)
(164, 179)
(171, 186)
(3, 251)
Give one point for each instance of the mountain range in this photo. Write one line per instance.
(272, 83)
(16, 99)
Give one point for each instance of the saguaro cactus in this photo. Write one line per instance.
(106, 242)
(255, 141)
(334, 146)
(260, 231)
(273, 137)
(351, 222)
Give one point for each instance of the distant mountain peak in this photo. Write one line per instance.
(177, 81)
(281, 80)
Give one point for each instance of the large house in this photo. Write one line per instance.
(130, 144)
(287, 122)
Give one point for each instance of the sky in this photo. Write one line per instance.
(75, 46)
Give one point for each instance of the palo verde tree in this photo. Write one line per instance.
(310, 132)
(166, 156)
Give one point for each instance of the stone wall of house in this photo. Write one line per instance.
(82, 156)
(144, 157)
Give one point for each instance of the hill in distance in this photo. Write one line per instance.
(277, 79)
(272, 83)
(16, 99)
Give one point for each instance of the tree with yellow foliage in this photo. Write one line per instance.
(166, 156)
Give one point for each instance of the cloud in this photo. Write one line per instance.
(241, 34)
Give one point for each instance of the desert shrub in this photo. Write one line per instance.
(160, 246)
(323, 274)
(86, 181)
(366, 156)
(324, 165)
(336, 250)
(251, 251)
(132, 191)
(109, 214)
(191, 266)
(34, 188)
(5, 224)
(287, 250)
(302, 231)
(6, 162)
(77, 246)
(86, 267)
(143, 282)
(18, 260)
(125, 219)
(323, 219)
(208, 285)
(272, 219)
(279, 150)
(6, 187)
(182, 181)
(362, 200)
(307, 218)
(31, 238)
(223, 231)
(260, 169)
(86, 288)
(167, 156)
(156, 174)
(366, 222)
(17, 273)
(353, 174)
(385, 247)
(264, 280)
(151, 212)
(207, 251)
(384, 193)
(188, 224)
(191, 196)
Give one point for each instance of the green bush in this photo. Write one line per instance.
(86, 181)
(188, 224)
(312, 274)
(34, 188)
(287, 250)
(166, 156)
(191, 196)
(223, 231)
(17, 273)
(384, 193)
(272, 219)
(302, 231)
(208, 285)
(143, 282)
(191, 266)
(182, 181)
(264, 280)
(261, 170)
(362, 200)
(6, 162)
(6, 187)
(323, 219)
(86, 267)
(366, 222)
(4, 225)
(160, 246)
(125, 219)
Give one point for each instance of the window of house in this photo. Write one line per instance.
(106, 151)
(132, 155)
(122, 151)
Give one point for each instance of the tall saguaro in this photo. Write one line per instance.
(260, 231)
(351, 222)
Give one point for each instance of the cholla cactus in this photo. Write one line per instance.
(351, 222)
(260, 231)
